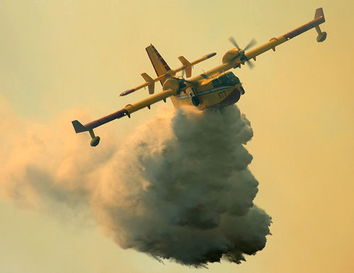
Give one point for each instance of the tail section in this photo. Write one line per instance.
(159, 64)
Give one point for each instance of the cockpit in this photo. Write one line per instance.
(227, 79)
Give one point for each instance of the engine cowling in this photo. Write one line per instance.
(171, 83)
(230, 55)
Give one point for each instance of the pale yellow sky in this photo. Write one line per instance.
(59, 56)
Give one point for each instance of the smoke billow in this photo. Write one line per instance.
(178, 188)
(183, 190)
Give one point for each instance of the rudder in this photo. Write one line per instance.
(159, 64)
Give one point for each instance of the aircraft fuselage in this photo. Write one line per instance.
(220, 91)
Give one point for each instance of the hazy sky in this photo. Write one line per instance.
(62, 58)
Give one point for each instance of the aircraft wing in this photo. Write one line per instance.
(319, 19)
(237, 58)
(126, 111)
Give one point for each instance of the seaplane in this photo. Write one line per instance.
(215, 88)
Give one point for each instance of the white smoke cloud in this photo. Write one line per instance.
(47, 164)
(178, 188)
(181, 189)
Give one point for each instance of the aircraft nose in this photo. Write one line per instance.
(242, 91)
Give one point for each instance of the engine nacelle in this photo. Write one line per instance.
(230, 55)
(171, 83)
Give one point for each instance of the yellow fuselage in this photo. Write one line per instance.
(214, 92)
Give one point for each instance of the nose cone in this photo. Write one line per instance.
(236, 94)
(242, 91)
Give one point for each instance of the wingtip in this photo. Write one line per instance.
(127, 92)
(149, 46)
(78, 127)
(211, 55)
(319, 13)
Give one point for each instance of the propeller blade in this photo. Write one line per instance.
(250, 44)
(250, 64)
(241, 53)
(233, 41)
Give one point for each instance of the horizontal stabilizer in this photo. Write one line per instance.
(147, 78)
(187, 66)
(150, 82)
(163, 70)
(78, 127)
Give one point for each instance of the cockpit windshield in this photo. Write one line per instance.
(228, 79)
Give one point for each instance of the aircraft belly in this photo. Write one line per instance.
(232, 97)
(216, 97)
(212, 99)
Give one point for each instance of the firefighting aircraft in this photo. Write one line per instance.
(213, 89)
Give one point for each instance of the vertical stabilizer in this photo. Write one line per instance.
(159, 64)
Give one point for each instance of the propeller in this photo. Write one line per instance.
(241, 52)
(183, 72)
(182, 77)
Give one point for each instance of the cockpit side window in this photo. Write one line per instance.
(217, 82)
(226, 80)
